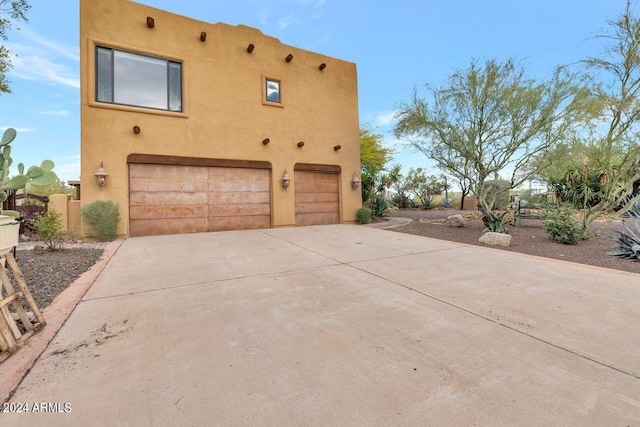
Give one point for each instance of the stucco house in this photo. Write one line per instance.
(205, 127)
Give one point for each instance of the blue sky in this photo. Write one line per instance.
(395, 46)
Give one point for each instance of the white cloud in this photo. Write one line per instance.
(38, 59)
(33, 67)
(286, 21)
(68, 52)
(384, 119)
(54, 113)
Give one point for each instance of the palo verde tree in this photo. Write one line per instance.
(373, 160)
(10, 11)
(612, 148)
(490, 119)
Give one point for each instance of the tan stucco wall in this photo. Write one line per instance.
(74, 218)
(223, 113)
(60, 204)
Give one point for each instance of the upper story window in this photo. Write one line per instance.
(272, 90)
(138, 80)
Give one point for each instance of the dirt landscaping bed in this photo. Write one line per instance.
(527, 238)
(49, 273)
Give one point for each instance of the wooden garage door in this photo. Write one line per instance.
(317, 197)
(172, 199)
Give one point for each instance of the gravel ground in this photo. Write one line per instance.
(49, 273)
(528, 238)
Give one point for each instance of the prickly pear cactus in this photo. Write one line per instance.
(38, 176)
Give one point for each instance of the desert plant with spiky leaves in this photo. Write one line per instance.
(629, 240)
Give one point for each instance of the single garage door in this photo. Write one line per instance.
(174, 199)
(317, 195)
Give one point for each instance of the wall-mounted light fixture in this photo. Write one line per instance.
(355, 181)
(322, 66)
(250, 47)
(136, 129)
(203, 36)
(150, 22)
(289, 58)
(101, 177)
(337, 147)
(285, 180)
(265, 141)
(300, 144)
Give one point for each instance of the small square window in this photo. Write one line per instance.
(272, 90)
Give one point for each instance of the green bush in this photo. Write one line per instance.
(103, 218)
(561, 226)
(51, 230)
(364, 215)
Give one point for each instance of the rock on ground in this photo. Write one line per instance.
(456, 221)
(495, 239)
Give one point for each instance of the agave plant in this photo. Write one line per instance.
(629, 240)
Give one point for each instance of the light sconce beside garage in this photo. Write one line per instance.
(265, 141)
(289, 58)
(136, 129)
(355, 181)
(337, 147)
(250, 48)
(203, 36)
(322, 66)
(285, 180)
(300, 144)
(150, 22)
(101, 177)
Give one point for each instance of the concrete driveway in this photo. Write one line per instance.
(340, 325)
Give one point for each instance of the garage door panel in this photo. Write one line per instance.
(236, 186)
(317, 219)
(169, 172)
(317, 198)
(238, 198)
(309, 208)
(239, 210)
(167, 199)
(304, 186)
(168, 212)
(237, 174)
(151, 227)
(239, 223)
(159, 186)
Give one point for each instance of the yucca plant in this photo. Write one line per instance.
(629, 240)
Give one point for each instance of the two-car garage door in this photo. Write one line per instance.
(173, 195)
(173, 199)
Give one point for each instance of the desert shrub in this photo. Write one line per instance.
(428, 204)
(561, 225)
(102, 216)
(51, 230)
(446, 203)
(364, 215)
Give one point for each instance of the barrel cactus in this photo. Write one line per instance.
(39, 176)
